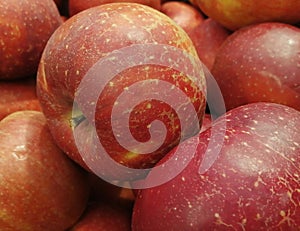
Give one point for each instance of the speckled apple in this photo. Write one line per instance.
(92, 35)
(40, 187)
(76, 6)
(260, 63)
(25, 27)
(252, 185)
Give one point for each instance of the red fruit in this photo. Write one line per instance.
(260, 63)
(18, 95)
(236, 14)
(184, 14)
(207, 38)
(206, 123)
(76, 6)
(40, 188)
(25, 27)
(161, 64)
(252, 184)
(104, 216)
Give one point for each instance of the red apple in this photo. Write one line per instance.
(252, 184)
(18, 95)
(239, 13)
(207, 38)
(142, 66)
(206, 123)
(104, 216)
(25, 27)
(40, 187)
(260, 63)
(76, 6)
(184, 14)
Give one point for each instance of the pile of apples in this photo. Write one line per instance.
(149, 115)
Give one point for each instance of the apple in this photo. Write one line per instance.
(104, 216)
(143, 67)
(252, 184)
(236, 14)
(17, 95)
(25, 27)
(40, 187)
(206, 123)
(260, 63)
(207, 38)
(76, 6)
(206, 34)
(184, 14)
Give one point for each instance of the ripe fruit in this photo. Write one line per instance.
(18, 95)
(235, 14)
(206, 123)
(40, 188)
(151, 59)
(25, 27)
(207, 38)
(260, 63)
(253, 184)
(76, 6)
(184, 14)
(104, 216)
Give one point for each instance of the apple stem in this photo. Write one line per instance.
(75, 121)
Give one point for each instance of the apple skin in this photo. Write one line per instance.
(206, 123)
(236, 14)
(58, 79)
(41, 188)
(260, 63)
(252, 185)
(207, 38)
(24, 31)
(104, 216)
(76, 6)
(18, 95)
(184, 14)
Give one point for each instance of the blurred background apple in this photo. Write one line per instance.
(260, 63)
(17, 95)
(184, 14)
(235, 14)
(25, 27)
